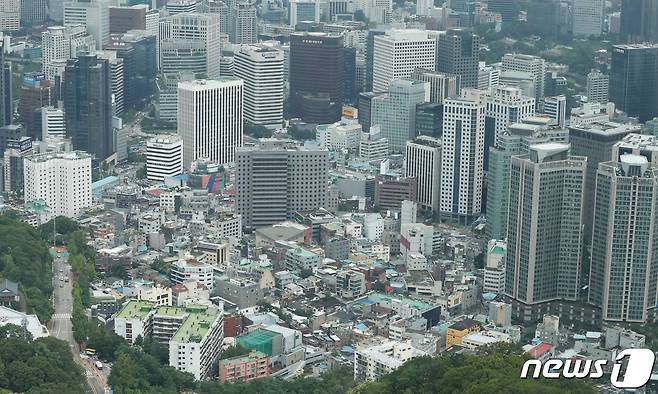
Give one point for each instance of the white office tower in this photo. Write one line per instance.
(304, 11)
(94, 15)
(59, 43)
(52, 122)
(423, 161)
(197, 27)
(423, 7)
(377, 11)
(597, 87)
(116, 80)
(174, 7)
(488, 77)
(534, 65)
(373, 146)
(261, 69)
(395, 112)
(244, 29)
(494, 269)
(61, 180)
(398, 53)
(507, 105)
(10, 15)
(556, 108)
(210, 119)
(183, 56)
(544, 231)
(164, 158)
(439, 85)
(587, 18)
(462, 158)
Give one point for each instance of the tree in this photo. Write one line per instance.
(257, 131)
(234, 351)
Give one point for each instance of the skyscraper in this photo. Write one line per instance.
(597, 87)
(458, 53)
(304, 11)
(441, 85)
(556, 108)
(634, 79)
(398, 53)
(88, 105)
(276, 179)
(94, 15)
(210, 119)
(595, 141)
(36, 92)
(507, 105)
(261, 68)
(423, 162)
(462, 160)
(317, 76)
(624, 264)
(544, 234)
(244, 29)
(62, 43)
(370, 56)
(10, 15)
(515, 141)
(534, 65)
(5, 89)
(196, 27)
(164, 157)
(639, 20)
(395, 112)
(587, 18)
(506, 8)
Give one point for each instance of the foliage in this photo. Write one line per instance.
(106, 343)
(650, 331)
(257, 131)
(496, 370)
(25, 259)
(141, 173)
(63, 226)
(234, 351)
(301, 133)
(44, 365)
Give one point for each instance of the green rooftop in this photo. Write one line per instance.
(498, 250)
(259, 340)
(172, 311)
(196, 326)
(135, 309)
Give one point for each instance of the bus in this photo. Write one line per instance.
(90, 351)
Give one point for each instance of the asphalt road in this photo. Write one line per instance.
(62, 328)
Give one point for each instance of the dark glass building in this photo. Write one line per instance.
(36, 92)
(5, 89)
(634, 80)
(458, 53)
(639, 20)
(88, 105)
(429, 119)
(506, 8)
(365, 113)
(317, 77)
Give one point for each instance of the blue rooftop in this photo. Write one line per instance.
(104, 182)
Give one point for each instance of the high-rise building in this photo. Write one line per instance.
(370, 56)
(597, 87)
(5, 89)
(261, 69)
(624, 263)
(441, 85)
(60, 43)
(556, 108)
(36, 92)
(639, 21)
(10, 15)
(183, 56)
(276, 179)
(125, 18)
(52, 123)
(634, 79)
(488, 76)
(515, 141)
(317, 76)
(244, 29)
(506, 105)
(423, 162)
(545, 18)
(462, 159)
(11, 132)
(506, 8)
(88, 105)
(210, 119)
(61, 180)
(595, 141)
(13, 168)
(458, 53)
(544, 234)
(587, 18)
(196, 27)
(395, 112)
(534, 65)
(398, 53)
(94, 15)
(304, 11)
(34, 11)
(164, 158)
(117, 74)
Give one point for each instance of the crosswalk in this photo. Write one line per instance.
(62, 316)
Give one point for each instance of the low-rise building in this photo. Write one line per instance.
(459, 330)
(190, 269)
(243, 369)
(350, 284)
(134, 320)
(373, 362)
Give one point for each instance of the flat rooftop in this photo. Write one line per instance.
(135, 309)
(196, 326)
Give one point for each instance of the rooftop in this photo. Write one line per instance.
(135, 309)
(253, 356)
(197, 324)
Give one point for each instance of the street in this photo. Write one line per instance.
(61, 326)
